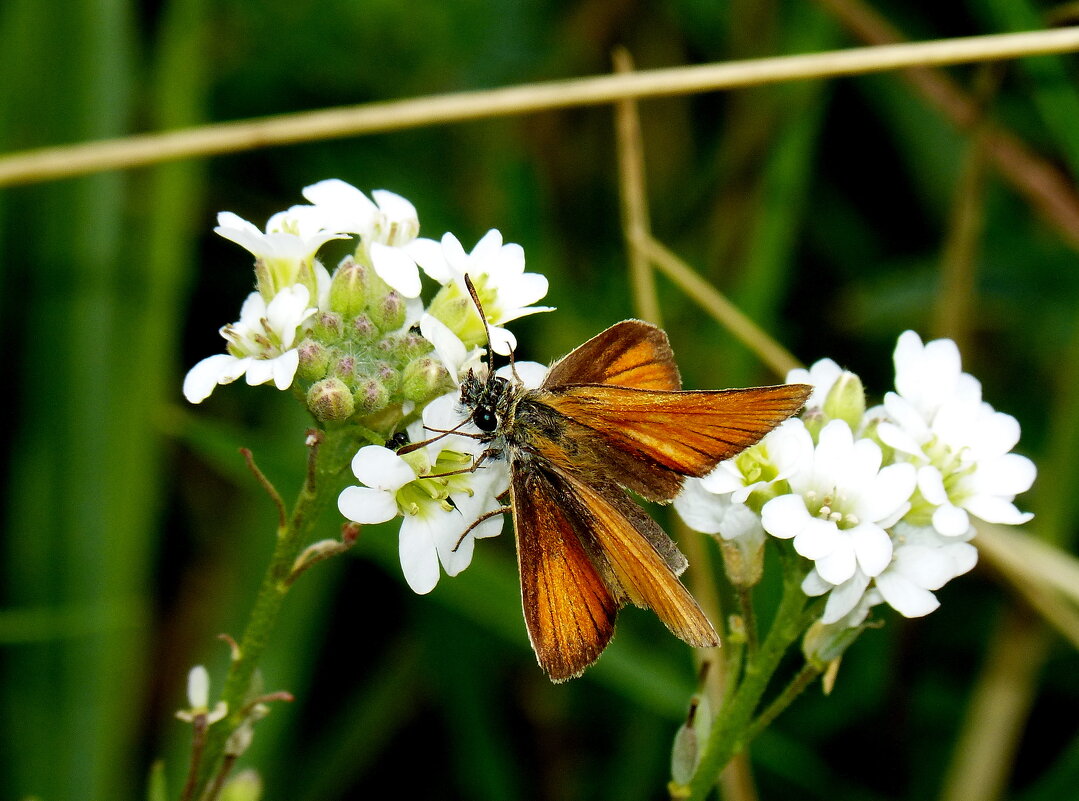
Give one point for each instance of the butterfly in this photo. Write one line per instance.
(609, 417)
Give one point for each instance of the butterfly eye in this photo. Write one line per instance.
(485, 419)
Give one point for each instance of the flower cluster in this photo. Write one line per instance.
(368, 356)
(361, 341)
(879, 500)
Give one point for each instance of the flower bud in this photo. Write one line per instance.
(456, 309)
(330, 400)
(743, 558)
(314, 360)
(344, 367)
(388, 376)
(388, 312)
(244, 786)
(350, 288)
(328, 327)
(846, 400)
(424, 377)
(370, 396)
(362, 329)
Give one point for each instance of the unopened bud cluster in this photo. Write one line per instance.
(359, 357)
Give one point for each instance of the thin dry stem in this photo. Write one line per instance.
(230, 137)
(722, 310)
(1046, 187)
(634, 198)
(985, 751)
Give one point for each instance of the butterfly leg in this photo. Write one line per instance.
(485, 516)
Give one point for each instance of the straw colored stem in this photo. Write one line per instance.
(113, 154)
(720, 308)
(634, 198)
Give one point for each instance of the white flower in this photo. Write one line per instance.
(848, 601)
(286, 251)
(923, 561)
(505, 290)
(821, 375)
(841, 503)
(387, 228)
(774, 459)
(198, 696)
(437, 509)
(710, 512)
(960, 444)
(451, 351)
(262, 345)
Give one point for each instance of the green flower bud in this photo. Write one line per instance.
(370, 396)
(314, 359)
(362, 329)
(743, 559)
(422, 378)
(388, 376)
(455, 308)
(350, 288)
(328, 327)
(388, 313)
(330, 400)
(846, 400)
(344, 367)
(244, 786)
(824, 643)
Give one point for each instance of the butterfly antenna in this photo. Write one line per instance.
(486, 328)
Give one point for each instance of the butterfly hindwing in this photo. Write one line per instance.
(568, 608)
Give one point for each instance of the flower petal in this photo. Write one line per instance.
(396, 268)
(785, 516)
(904, 596)
(873, 548)
(366, 505)
(419, 557)
(222, 368)
(381, 468)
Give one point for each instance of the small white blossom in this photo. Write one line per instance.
(437, 509)
(711, 512)
(285, 251)
(198, 696)
(505, 290)
(841, 503)
(262, 345)
(774, 459)
(387, 228)
(821, 375)
(961, 446)
(923, 561)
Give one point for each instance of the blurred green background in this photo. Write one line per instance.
(832, 212)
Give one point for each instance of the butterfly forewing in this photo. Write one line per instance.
(682, 433)
(569, 609)
(631, 353)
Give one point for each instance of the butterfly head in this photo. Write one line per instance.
(489, 399)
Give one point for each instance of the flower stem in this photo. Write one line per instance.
(325, 465)
(732, 729)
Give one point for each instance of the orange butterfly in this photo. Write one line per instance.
(609, 417)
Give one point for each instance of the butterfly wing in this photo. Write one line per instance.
(631, 353)
(648, 441)
(569, 609)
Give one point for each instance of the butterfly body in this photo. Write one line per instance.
(609, 417)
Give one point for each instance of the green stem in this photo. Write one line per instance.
(325, 465)
(731, 729)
